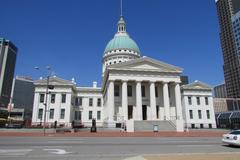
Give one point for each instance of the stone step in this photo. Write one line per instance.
(148, 125)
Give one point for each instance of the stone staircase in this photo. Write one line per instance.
(148, 125)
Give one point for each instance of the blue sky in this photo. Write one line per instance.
(70, 36)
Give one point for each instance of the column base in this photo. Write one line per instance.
(130, 125)
(179, 125)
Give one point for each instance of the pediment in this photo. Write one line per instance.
(54, 81)
(197, 85)
(146, 64)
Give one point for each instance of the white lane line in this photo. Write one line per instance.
(14, 152)
(57, 151)
(57, 142)
(135, 158)
(195, 145)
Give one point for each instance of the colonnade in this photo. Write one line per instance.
(139, 102)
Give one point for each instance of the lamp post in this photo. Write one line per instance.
(46, 100)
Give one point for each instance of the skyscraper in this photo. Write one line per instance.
(229, 19)
(8, 54)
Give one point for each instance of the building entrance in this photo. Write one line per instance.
(130, 112)
(144, 112)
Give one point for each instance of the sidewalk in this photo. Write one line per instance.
(205, 156)
(118, 134)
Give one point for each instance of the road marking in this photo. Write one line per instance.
(135, 158)
(196, 145)
(14, 152)
(57, 151)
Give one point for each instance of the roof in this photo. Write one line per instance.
(146, 64)
(122, 42)
(89, 89)
(54, 81)
(197, 85)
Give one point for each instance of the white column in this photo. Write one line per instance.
(178, 101)
(166, 101)
(124, 100)
(111, 101)
(153, 100)
(139, 100)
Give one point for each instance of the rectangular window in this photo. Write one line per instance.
(210, 125)
(199, 114)
(191, 114)
(42, 98)
(198, 100)
(53, 98)
(201, 125)
(192, 125)
(90, 102)
(99, 102)
(208, 114)
(76, 101)
(98, 115)
(116, 90)
(190, 100)
(78, 115)
(143, 91)
(51, 115)
(206, 100)
(40, 113)
(80, 101)
(90, 115)
(63, 98)
(129, 91)
(156, 91)
(62, 114)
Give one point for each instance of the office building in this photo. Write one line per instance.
(8, 54)
(228, 13)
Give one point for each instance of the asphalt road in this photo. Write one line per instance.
(74, 148)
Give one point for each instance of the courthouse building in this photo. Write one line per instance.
(136, 90)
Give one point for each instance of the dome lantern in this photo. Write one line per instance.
(121, 48)
(121, 25)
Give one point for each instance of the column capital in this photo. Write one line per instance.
(138, 81)
(152, 81)
(165, 82)
(123, 80)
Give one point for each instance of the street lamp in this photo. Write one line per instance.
(46, 100)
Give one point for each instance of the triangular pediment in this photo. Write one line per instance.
(146, 64)
(53, 81)
(197, 85)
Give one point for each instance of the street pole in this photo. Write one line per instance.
(46, 101)
(45, 111)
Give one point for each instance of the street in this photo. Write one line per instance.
(89, 148)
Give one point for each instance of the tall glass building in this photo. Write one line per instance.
(8, 54)
(228, 14)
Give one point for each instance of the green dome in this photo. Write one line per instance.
(122, 42)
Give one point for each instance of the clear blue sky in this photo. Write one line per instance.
(70, 36)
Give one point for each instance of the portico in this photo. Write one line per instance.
(135, 90)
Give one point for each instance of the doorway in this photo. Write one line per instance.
(130, 112)
(144, 112)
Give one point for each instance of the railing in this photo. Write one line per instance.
(172, 123)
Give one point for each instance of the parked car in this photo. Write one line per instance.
(232, 138)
